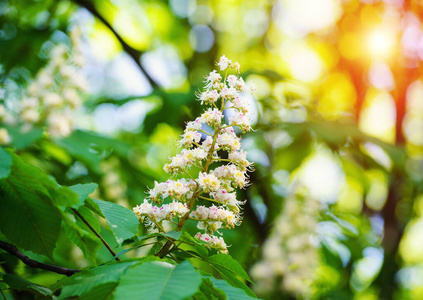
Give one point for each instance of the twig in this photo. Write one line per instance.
(4, 296)
(134, 53)
(96, 233)
(12, 249)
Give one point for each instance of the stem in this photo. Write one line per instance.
(203, 132)
(4, 296)
(212, 200)
(181, 223)
(13, 250)
(207, 220)
(191, 177)
(222, 159)
(133, 53)
(158, 225)
(96, 233)
(211, 151)
(223, 100)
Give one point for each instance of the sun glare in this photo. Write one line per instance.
(381, 42)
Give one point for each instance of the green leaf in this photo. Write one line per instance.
(231, 292)
(101, 292)
(172, 234)
(227, 263)
(84, 240)
(5, 163)
(230, 270)
(89, 146)
(122, 221)
(22, 138)
(209, 292)
(89, 217)
(85, 281)
(28, 216)
(19, 283)
(193, 244)
(83, 190)
(93, 206)
(63, 196)
(158, 280)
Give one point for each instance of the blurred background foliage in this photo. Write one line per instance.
(339, 121)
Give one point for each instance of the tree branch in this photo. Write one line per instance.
(12, 249)
(133, 53)
(96, 234)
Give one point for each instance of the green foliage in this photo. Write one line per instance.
(84, 240)
(5, 163)
(22, 138)
(156, 280)
(84, 282)
(45, 182)
(83, 190)
(231, 271)
(22, 284)
(122, 221)
(29, 216)
(231, 292)
(90, 147)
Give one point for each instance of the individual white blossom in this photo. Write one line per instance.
(213, 80)
(59, 124)
(30, 103)
(232, 80)
(212, 116)
(52, 100)
(194, 125)
(241, 120)
(209, 97)
(223, 63)
(207, 195)
(213, 241)
(189, 137)
(4, 137)
(208, 182)
(30, 115)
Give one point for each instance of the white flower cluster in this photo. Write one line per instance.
(211, 176)
(290, 259)
(54, 95)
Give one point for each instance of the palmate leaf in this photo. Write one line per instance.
(122, 221)
(159, 281)
(29, 218)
